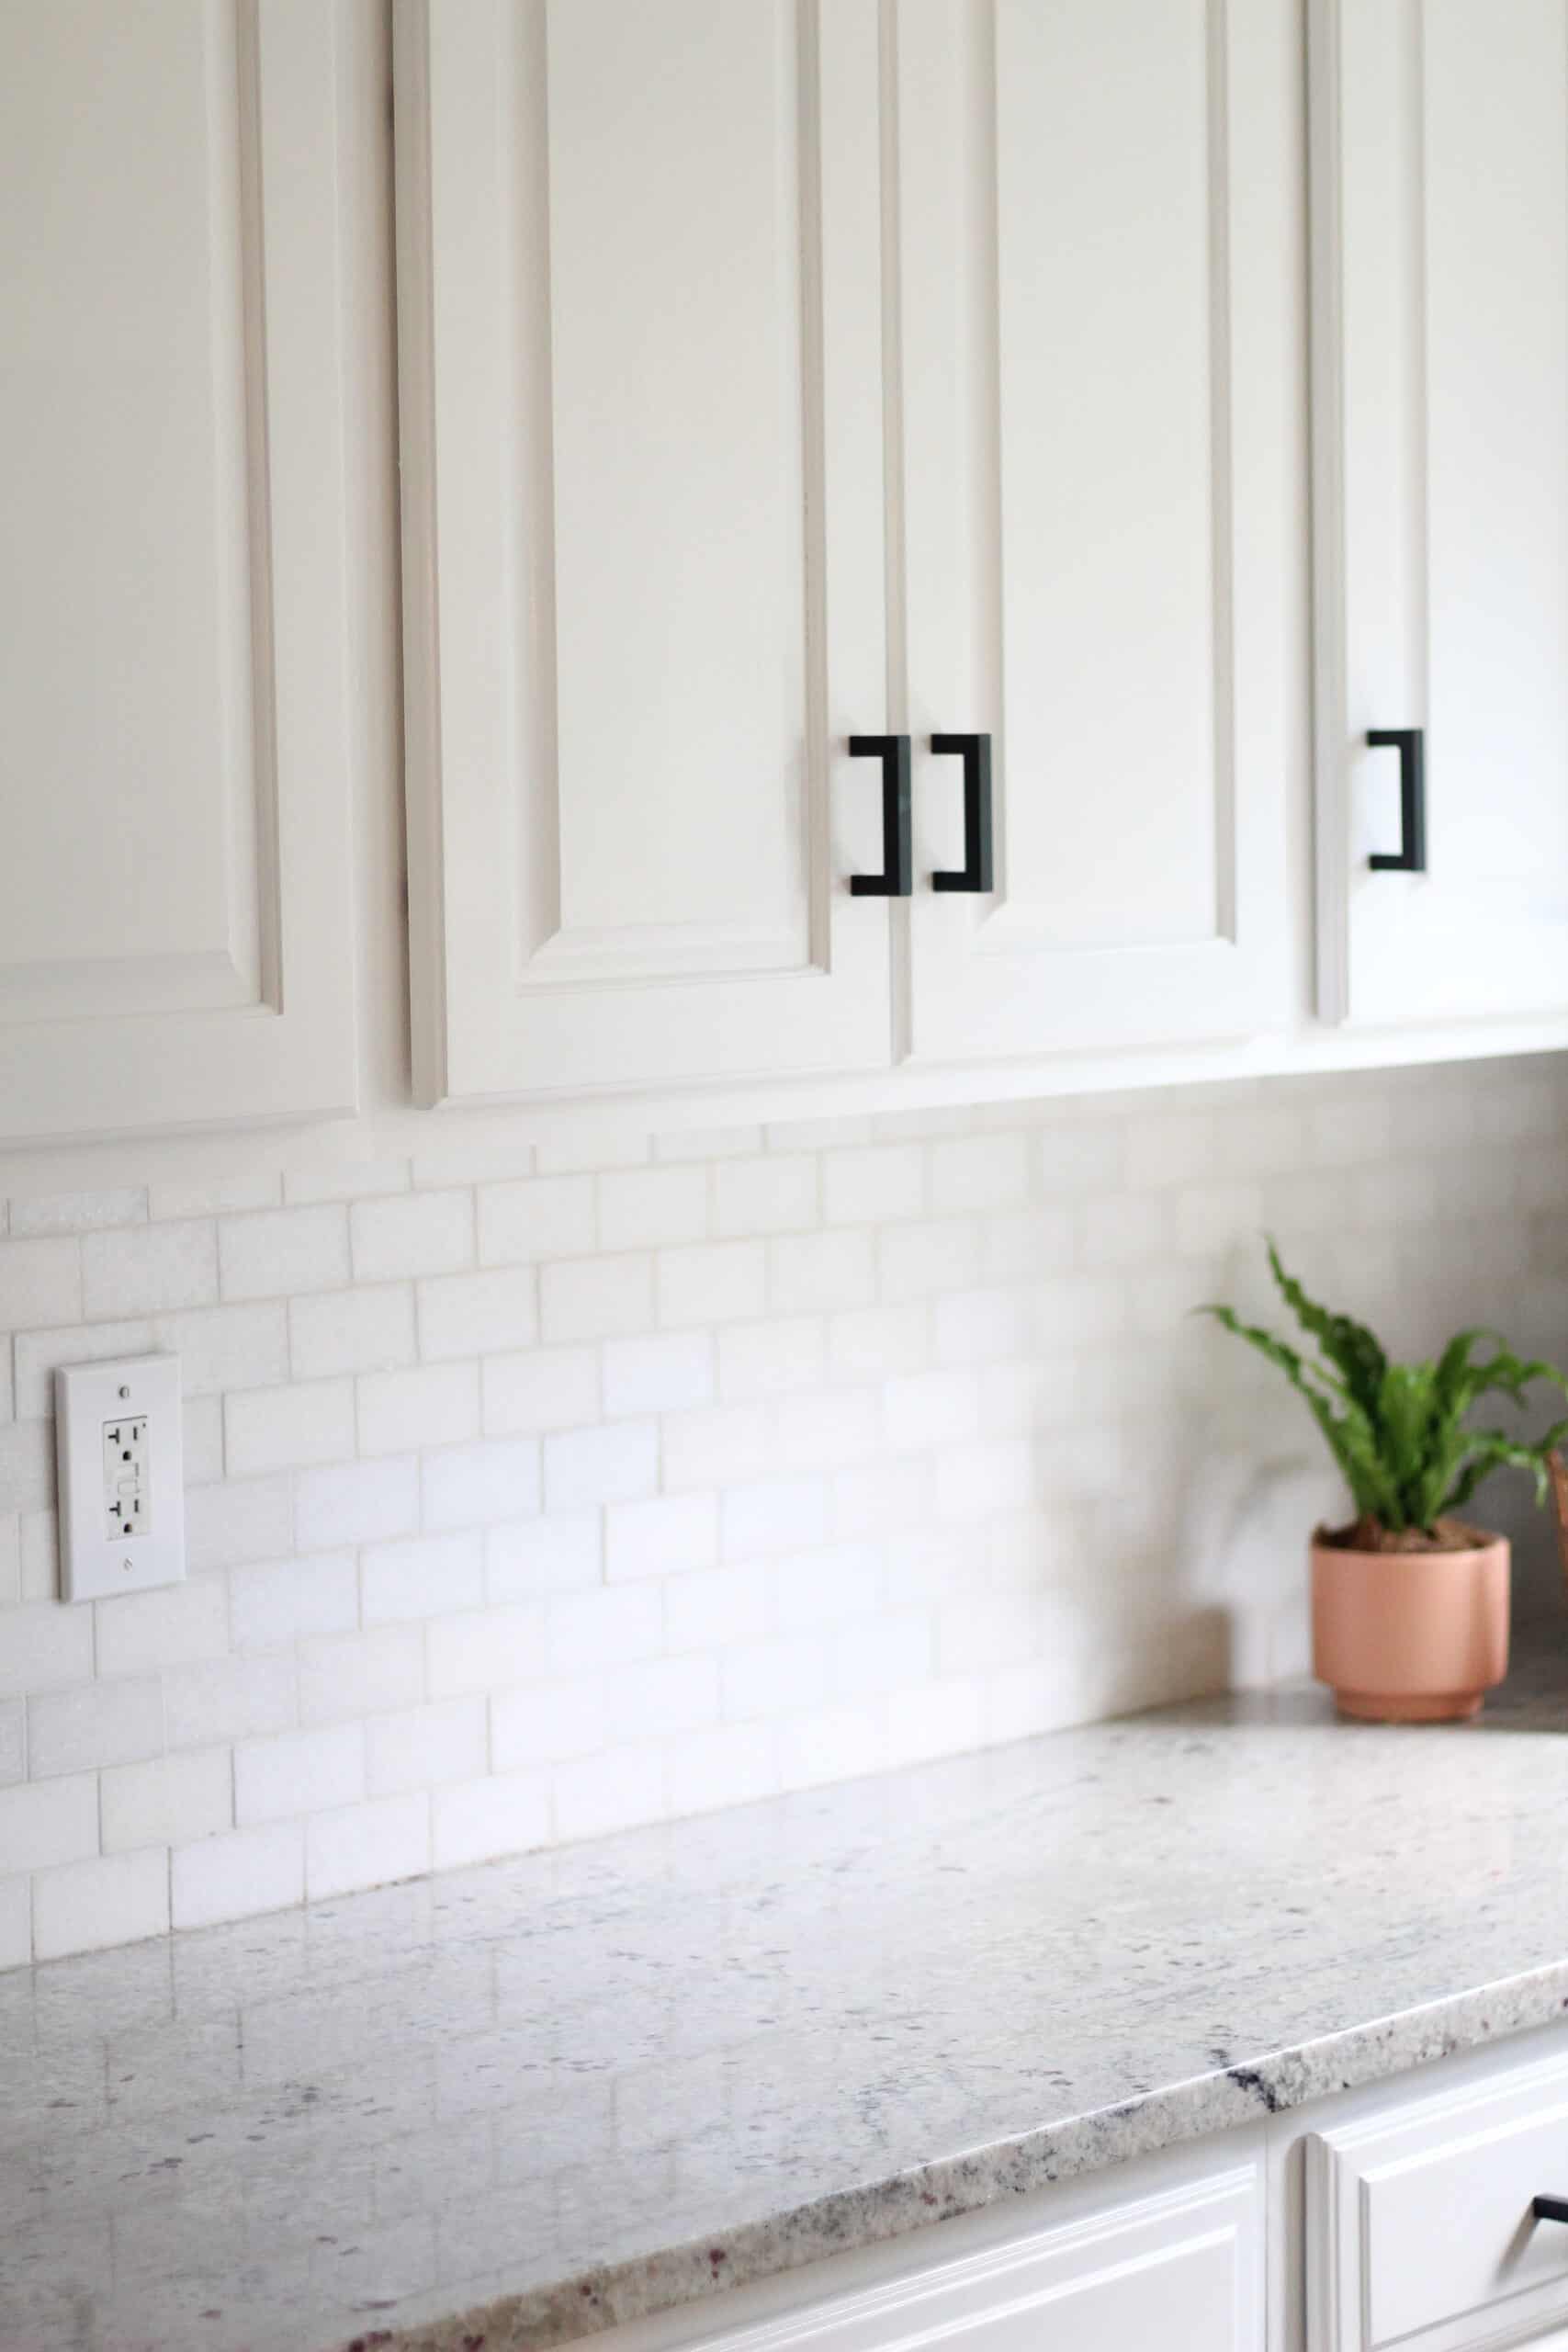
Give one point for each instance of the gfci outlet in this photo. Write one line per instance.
(121, 1477)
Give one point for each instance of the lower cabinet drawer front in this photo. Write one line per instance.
(1419, 2227)
(1178, 2272)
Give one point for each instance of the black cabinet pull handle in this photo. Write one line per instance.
(897, 878)
(1550, 2209)
(976, 752)
(1411, 745)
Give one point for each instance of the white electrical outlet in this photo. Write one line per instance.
(121, 1477)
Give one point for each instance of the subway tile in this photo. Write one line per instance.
(773, 1515)
(773, 1359)
(597, 1298)
(344, 1180)
(229, 1698)
(368, 1329)
(970, 1172)
(239, 1519)
(58, 1213)
(489, 1649)
(616, 1464)
(366, 1845)
(543, 1217)
(928, 1256)
(100, 1723)
(41, 1283)
(43, 1823)
(181, 1624)
(26, 1466)
(819, 1274)
(541, 1389)
(424, 1576)
(592, 1795)
(260, 1188)
(168, 1801)
(730, 1764)
(547, 1722)
(417, 1233)
(13, 1741)
(16, 1922)
(708, 1143)
(535, 1556)
(784, 1675)
(478, 1315)
(660, 1537)
(648, 1208)
(344, 1676)
(275, 1603)
(146, 1269)
(610, 1627)
(472, 1485)
(420, 1747)
(662, 1697)
(710, 1609)
(356, 1502)
(433, 1404)
(777, 1193)
(301, 1772)
(286, 1429)
(236, 1876)
(84, 1907)
(201, 1427)
(44, 1646)
(661, 1374)
(873, 1185)
(478, 1821)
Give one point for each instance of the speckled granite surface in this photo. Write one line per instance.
(550, 2094)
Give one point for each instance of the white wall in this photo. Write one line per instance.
(528, 1498)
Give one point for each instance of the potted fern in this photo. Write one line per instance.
(1409, 1603)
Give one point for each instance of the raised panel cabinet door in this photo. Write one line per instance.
(1440, 341)
(1100, 498)
(175, 907)
(640, 325)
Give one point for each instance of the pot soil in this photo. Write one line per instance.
(1409, 1628)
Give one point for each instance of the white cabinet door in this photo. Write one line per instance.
(639, 297)
(175, 920)
(1440, 270)
(1102, 510)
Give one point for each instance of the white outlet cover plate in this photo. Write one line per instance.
(87, 1397)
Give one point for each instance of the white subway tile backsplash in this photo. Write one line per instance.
(274, 1779)
(44, 1646)
(479, 1820)
(146, 1269)
(86, 1905)
(97, 1723)
(235, 1876)
(435, 1403)
(522, 1224)
(285, 1429)
(357, 1502)
(662, 1536)
(41, 1283)
(474, 1485)
(46, 1822)
(368, 1330)
(39, 1354)
(169, 1800)
(423, 1576)
(229, 1698)
(615, 1464)
(531, 1493)
(366, 1845)
(664, 1374)
(545, 1388)
(420, 1747)
(276, 1602)
(417, 1233)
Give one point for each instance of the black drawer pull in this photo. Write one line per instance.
(976, 754)
(1550, 2209)
(897, 878)
(1411, 745)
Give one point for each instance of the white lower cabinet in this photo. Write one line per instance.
(1420, 2227)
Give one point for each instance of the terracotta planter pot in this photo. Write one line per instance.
(1410, 1638)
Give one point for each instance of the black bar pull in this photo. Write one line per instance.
(1550, 2209)
(1411, 745)
(897, 878)
(976, 752)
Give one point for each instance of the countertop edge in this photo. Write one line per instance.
(872, 2212)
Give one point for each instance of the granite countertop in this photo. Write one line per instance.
(549, 2094)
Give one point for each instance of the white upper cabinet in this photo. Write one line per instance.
(1100, 505)
(639, 297)
(1440, 270)
(175, 934)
